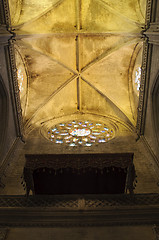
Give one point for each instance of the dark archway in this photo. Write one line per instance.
(110, 180)
(3, 116)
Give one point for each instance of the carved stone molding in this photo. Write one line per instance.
(3, 233)
(14, 82)
(75, 202)
(148, 13)
(153, 33)
(80, 211)
(79, 162)
(5, 35)
(146, 62)
(4, 13)
(154, 28)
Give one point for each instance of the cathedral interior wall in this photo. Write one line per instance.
(86, 233)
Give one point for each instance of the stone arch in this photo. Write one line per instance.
(155, 106)
(3, 116)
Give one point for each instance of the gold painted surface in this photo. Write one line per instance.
(99, 103)
(23, 11)
(58, 48)
(78, 55)
(60, 17)
(102, 16)
(62, 103)
(48, 16)
(110, 76)
(45, 79)
(132, 10)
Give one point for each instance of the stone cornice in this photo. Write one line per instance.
(47, 217)
(80, 202)
(153, 33)
(154, 28)
(5, 35)
(88, 210)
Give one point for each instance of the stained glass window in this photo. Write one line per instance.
(137, 78)
(20, 80)
(80, 133)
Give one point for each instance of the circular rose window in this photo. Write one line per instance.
(79, 132)
(76, 133)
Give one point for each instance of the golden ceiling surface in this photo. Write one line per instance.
(78, 56)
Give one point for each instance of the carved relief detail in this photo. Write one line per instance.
(154, 27)
(145, 66)
(74, 202)
(15, 86)
(3, 233)
(140, 120)
(4, 13)
(156, 232)
(148, 13)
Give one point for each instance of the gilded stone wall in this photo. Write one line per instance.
(113, 233)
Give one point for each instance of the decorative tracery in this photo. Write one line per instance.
(76, 133)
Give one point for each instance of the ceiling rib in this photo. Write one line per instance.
(20, 35)
(77, 54)
(78, 66)
(76, 73)
(78, 95)
(76, 70)
(78, 15)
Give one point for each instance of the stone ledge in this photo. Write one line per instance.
(82, 202)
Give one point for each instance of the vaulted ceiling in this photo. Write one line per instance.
(78, 57)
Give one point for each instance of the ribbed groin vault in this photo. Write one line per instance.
(78, 57)
(86, 76)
